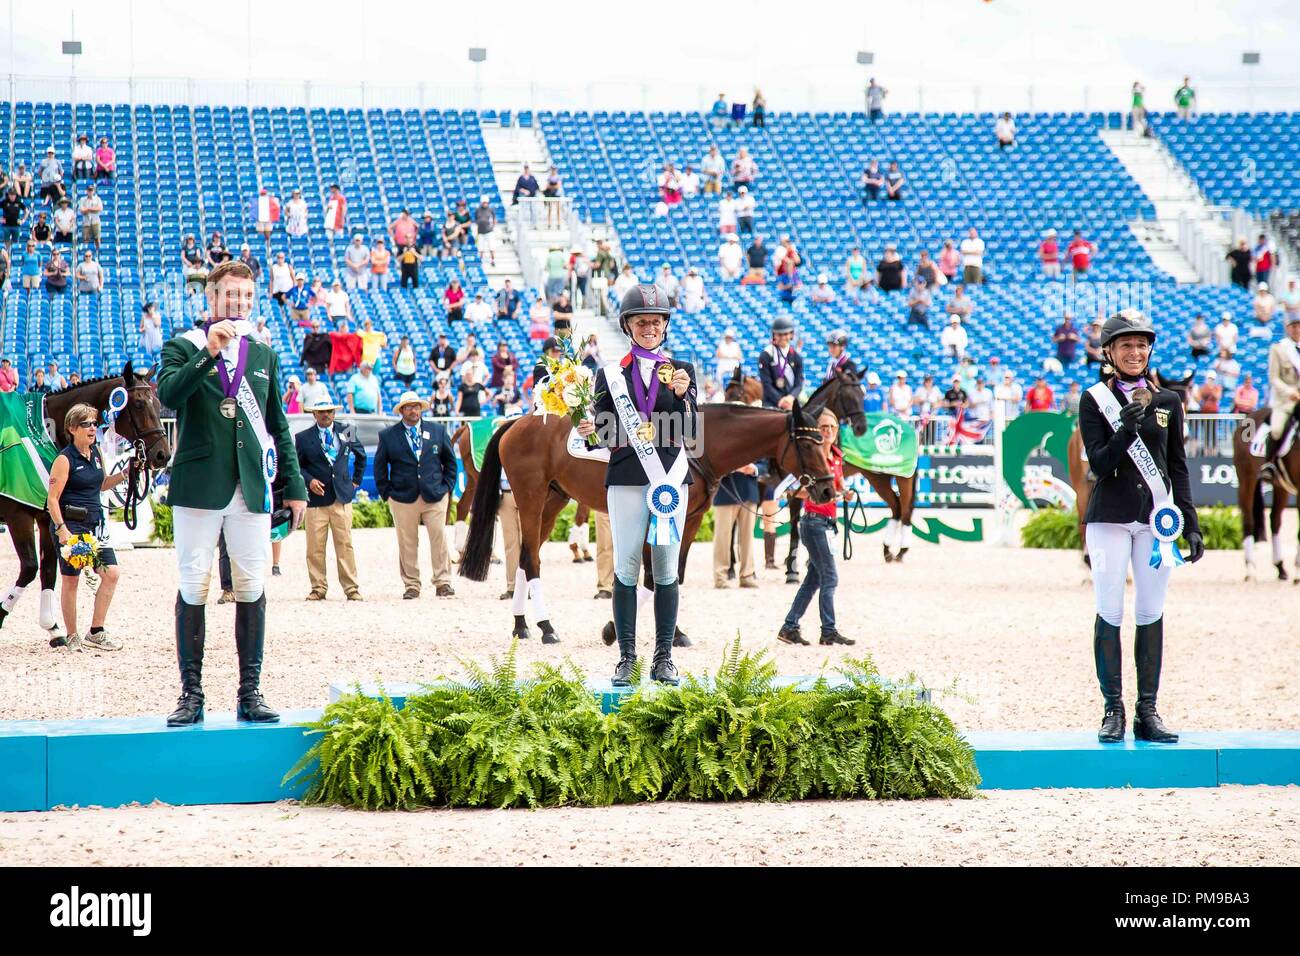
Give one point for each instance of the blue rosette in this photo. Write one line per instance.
(1167, 525)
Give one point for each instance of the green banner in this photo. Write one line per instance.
(26, 452)
(888, 446)
(480, 433)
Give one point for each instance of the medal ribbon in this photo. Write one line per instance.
(780, 362)
(229, 383)
(645, 396)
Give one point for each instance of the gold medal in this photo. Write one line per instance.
(646, 432)
(665, 373)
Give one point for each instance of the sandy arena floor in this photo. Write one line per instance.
(1011, 629)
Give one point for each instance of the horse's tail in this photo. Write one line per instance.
(477, 557)
(1257, 512)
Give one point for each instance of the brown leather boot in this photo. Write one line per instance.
(769, 551)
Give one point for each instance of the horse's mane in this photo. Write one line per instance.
(83, 383)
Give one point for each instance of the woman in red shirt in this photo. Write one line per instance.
(454, 299)
(822, 576)
(1040, 397)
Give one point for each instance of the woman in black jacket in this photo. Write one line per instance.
(654, 398)
(1133, 434)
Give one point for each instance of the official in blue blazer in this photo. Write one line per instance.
(324, 452)
(414, 471)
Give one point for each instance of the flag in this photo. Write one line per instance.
(266, 208)
(967, 432)
(26, 452)
(336, 214)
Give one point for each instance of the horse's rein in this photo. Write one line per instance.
(138, 467)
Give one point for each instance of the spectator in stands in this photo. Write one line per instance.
(357, 263)
(298, 299)
(38, 382)
(758, 116)
(403, 359)
(1185, 100)
(295, 215)
(693, 295)
(713, 166)
(579, 276)
(12, 213)
(1041, 398)
(1225, 333)
(979, 401)
(961, 304)
(54, 376)
(1081, 252)
(1073, 395)
(380, 260)
(261, 333)
(785, 249)
(281, 278)
(313, 391)
(900, 395)
(894, 181)
(91, 209)
(891, 274)
(720, 112)
(562, 315)
(338, 305)
(949, 260)
(50, 173)
(464, 220)
(873, 396)
(690, 181)
(954, 339)
(1008, 395)
(22, 183)
(730, 258)
(872, 181)
(589, 353)
(1262, 258)
(485, 222)
(8, 375)
(727, 215)
(336, 213)
(90, 277)
(1049, 254)
(193, 265)
(150, 329)
(1005, 131)
(875, 100)
(32, 267)
(56, 272)
(1137, 109)
(1092, 345)
(927, 399)
(557, 272)
(927, 271)
(1209, 394)
(373, 344)
(4, 269)
(918, 304)
(105, 160)
(746, 206)
(744, 171)
(670, 186)
(508, 397)
(626, 280)
(502, 360)
(427, 236)
(1246, 398)
(292, 397)
(363, 392)
(727, 356)
(955, 398)
(403, 230)
(83, 158)
(551, 193)
(822, 292)
(442, 357)
(451, 233)
(1265, 307)
(266, 210)
(1228, 369)
(474, 364)
(605, 265)
(756, 256)
(247, 258)
(855, 274)
(1241, 260)
(1199, 337)
(787, 281)
(507, 303)
(525, 186)
(217, 251)
(1066, 338)
(453, 301)
(668, 282)
(345, 349)
(972, 257)
(65, 222)
(479, 312)
(443, 402)
(408, 265)
(42, 231)
(472, 394)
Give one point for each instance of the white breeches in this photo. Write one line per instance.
(248, 540)
(1277, 420)
(629, 522)
(1111, 547)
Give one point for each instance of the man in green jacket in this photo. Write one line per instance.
(232, 444)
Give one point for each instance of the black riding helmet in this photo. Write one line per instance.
(1127, 322)
(644, 297)
(782, 323)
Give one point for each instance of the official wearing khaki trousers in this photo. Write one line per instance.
(323, 522)
(407, 518)
(508, 514)
(727, 518)
(604, 556)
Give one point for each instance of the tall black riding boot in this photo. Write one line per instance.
(250, 635)
(1110, 675)
(1268, 471)
(625, 631)
(665, 627)
(190, 630)
(769, 550)
(1148, 653)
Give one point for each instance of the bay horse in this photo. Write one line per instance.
(1250, 494)
(544, 476)
(139, 422)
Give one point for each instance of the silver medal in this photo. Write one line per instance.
(780, 381)
(227, 407)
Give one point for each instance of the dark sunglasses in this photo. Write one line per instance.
(88, 423)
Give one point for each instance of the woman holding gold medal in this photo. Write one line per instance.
(645, 410)
(1132, 431)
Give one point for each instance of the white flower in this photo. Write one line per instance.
(572, 396)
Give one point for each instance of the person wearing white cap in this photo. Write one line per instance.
(357, 262)
(485, 222)
(313, 391)
(694, 298)
(728, 356)
(295, 215)
(1265, 306)
(727, 214)
(822, 292)
(323, 450)
(731, 258)
(900, 395)
(415, 469)
(746, 206)
(954, 339)
(50, 172)
(1049, 254)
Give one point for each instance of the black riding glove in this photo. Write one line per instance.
(1131, 415)
(1195, 546)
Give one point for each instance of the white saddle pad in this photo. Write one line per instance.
(577, 446)
(1261, 436)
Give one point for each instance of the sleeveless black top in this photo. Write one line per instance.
(85, 476)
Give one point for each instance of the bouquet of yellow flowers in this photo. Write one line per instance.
(81, 551)
(569, 387)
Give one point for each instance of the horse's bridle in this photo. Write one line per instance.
(145, 439)
(138, 468)
(793, 437)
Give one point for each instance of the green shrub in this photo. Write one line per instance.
(1220, 527)
(1051, 528)
(162, 522)
(371, 513)
(496, 741)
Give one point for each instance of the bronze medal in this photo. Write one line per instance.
(665, 373)
(646, 432)
(227, 407)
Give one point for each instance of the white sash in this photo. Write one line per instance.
(666, 493)
(1167, 521)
